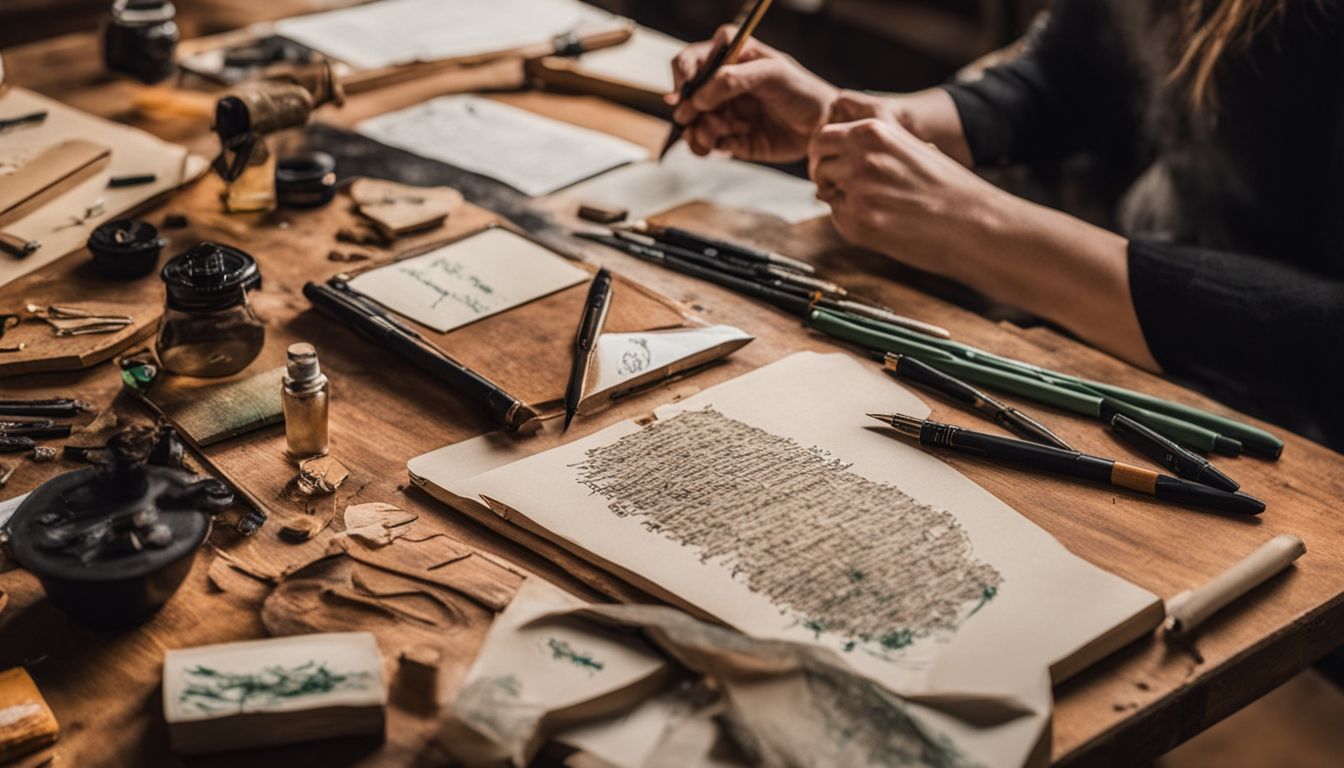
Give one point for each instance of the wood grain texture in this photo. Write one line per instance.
(44, 351)
(1125, 711)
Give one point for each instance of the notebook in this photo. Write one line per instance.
(770, 504)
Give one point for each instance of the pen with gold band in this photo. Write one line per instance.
(1045, 458)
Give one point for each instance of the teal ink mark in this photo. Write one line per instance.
(896, 640)
(856, 576)
(849, 645)
(210, 690)
(985, 596)
(563, 650)
(817, 627)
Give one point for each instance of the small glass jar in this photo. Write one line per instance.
(209, 328)
(141, 38)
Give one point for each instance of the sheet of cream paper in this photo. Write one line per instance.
(533, 154)
(9, 506)
(524, 671)
(1050, 603)
(395, 32)
(134, 152)
(622, 357)
(645, 61)
(649, 188)
(627, 740)
(470, 279)
(351, 653)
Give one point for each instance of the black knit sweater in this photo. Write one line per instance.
(1235, 217)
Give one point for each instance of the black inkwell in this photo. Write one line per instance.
(126, 248)
(111, 543)
(209, 328)
(141, 38)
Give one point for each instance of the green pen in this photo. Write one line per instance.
(1257, 442)
(1016, 379)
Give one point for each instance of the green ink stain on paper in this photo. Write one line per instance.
(817, 627)
(985, 596)
(563, 650)
(210, 690)
(896, 640)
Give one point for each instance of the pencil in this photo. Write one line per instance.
(723, 55)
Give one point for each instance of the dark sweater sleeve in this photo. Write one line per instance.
(1265, 336)
(1070, 90)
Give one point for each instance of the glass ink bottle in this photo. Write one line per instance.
(305, 397)
(209, 328)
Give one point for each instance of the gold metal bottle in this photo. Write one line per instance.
(305, 397)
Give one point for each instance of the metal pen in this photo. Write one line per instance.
(1045, 458)
(595, 309)
(337, 299)
(1011, 419)
(697, 242)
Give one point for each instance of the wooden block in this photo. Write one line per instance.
(208, 411)
(26, 722)
(400, 209)
(602, 214)
(51, 174)
(284, 690)
(44, 351)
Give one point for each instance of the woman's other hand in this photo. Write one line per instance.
(894, 193)
(764, 107)
(930, 115)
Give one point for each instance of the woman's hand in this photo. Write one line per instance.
(893, 193)
(898, 195)
(765, 107)
(930, 115)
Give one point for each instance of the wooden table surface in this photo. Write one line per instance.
(1135, 705)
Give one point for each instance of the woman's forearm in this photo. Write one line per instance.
(932, 116)
(1059, 268)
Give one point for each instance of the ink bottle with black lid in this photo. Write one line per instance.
(141, 39)
(209, 328)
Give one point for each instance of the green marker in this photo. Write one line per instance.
(1025, 380)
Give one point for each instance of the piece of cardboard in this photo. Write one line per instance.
(53, 172)
(63, 223)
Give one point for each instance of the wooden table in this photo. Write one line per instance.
(1127, 710)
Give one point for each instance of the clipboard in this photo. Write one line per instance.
(528, 350)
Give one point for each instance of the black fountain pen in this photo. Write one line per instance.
(1186, 464)
(1009, 418)
(1044, 458)
(585, 342)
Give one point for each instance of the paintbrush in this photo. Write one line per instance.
(723, 55)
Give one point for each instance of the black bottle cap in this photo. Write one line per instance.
(209, 277)
(305, 180)
(126, 248)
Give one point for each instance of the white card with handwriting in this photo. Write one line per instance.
(535, 155)
(473, 278)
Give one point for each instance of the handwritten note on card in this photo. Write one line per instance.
(533, 154)
(470, 279)
(394, 32)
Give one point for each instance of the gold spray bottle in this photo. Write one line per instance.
(305, 397)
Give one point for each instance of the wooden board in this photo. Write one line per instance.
(1126, 711)
(43, 351)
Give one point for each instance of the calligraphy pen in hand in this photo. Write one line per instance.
(722, 56)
